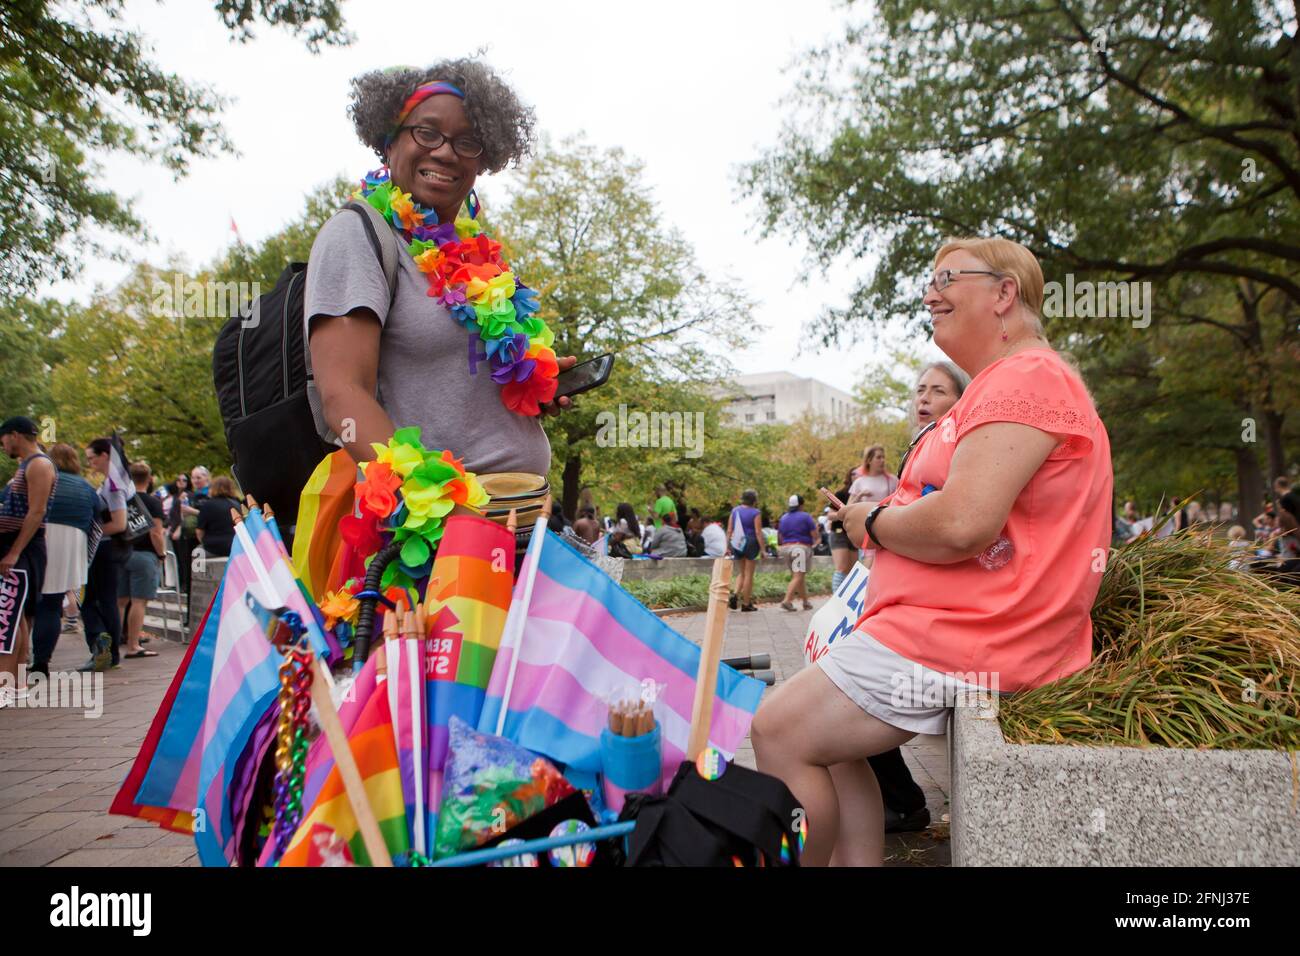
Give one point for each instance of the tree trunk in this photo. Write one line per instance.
(1272, 422)
(1249, 487)
(572, 485)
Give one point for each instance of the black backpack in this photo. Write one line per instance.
(268, 398)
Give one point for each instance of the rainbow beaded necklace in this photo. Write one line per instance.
(467, 275)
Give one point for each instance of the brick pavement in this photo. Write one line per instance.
(59, 770)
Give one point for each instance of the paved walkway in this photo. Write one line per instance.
(59, 770)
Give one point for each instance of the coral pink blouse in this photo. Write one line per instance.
(1028, 621)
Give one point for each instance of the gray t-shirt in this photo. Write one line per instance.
(424, 376)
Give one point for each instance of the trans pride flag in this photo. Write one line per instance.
(231, 677)
(586, 638)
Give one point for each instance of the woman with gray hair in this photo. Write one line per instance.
(387, 358)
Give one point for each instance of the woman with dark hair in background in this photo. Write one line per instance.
(216, 530)
(843, 554)
(625, 539)
(99, 603)
(745, 538)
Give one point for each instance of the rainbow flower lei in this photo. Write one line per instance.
(467, 274)
(407, 491)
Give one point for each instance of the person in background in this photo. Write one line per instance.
(694, 531)
(797, 535)
(200, 481)
(70, 525)
(662, 504)
(216, 528)
(714, 537)
(1181, 521)
(138, 582)
(99, 601)
(586, 526)
(668, 540)
(843, 554)
(938, 388)
(1239, 547)
(744, 534)
(648, 529)
(1286, 497)
(873, 485)
(22, 538)
(625, 537)
(182, 520)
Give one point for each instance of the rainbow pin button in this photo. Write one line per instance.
(523, 859)
(710, 764)
(575, 854)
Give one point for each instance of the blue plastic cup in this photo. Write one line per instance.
(630, 765)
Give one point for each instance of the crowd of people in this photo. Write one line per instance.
(97, 551)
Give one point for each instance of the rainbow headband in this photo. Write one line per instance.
(421, 94)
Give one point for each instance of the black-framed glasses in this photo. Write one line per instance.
(428, 137)
(943, 278)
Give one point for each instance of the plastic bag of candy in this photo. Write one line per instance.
(489, 786)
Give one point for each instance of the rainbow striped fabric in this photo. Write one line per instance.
(587, 638)
(318, 548)
(230, 680)
(467, 600)
(329, 825)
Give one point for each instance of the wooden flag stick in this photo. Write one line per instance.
(347, 767)
(706, 681)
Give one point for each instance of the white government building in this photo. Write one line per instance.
(781, 398)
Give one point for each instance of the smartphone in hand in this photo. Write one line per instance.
(835, 502)
(584, 376)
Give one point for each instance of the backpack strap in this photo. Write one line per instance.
(384, 243)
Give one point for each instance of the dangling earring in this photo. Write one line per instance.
(472, 204)
(1003, 320)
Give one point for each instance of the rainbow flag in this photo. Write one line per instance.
(230, 681)
(587, 638)
(317, 545)
(467, 599)
(328, 830)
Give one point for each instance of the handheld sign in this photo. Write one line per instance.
(836, 617)
(13, 595)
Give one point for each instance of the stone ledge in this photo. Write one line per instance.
(1072, 805)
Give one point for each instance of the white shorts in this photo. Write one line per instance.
(901, 692)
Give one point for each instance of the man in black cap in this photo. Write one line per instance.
(22, 536)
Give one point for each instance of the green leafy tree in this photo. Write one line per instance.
(1116, 139)
(75, 84)
(582, 230)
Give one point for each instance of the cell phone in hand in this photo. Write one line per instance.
(831, 498)
(584, 376)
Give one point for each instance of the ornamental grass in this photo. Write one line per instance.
(1188, 652)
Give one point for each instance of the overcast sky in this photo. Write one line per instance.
(693, 89)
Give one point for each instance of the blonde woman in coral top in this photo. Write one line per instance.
(988, 557)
